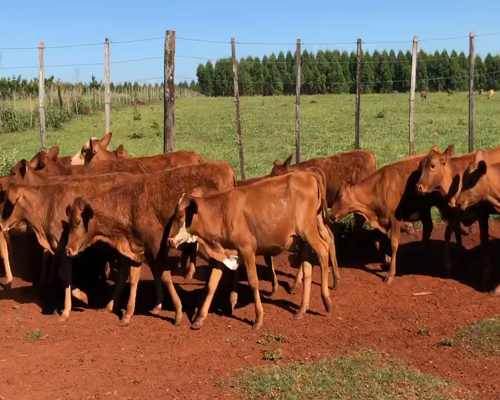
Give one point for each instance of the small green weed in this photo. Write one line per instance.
(268, 338)
(34, 335)
(273, 355)
(446, 342)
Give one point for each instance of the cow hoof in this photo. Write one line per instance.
(157, 310)
(275, 291)
(387, 260)
(294, 288)
(233, 299)
(389, 279)
(257, 325)
(178, 318)
(328, 304)
(299, 314)
(496, 291)
(198, 322)
(124, 322)
(189, 275)
(84, 299)
(63, 318)
(7, 285)
(109, 307)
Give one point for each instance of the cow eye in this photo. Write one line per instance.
(77, 221)
(432, 167)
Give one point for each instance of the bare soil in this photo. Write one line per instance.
(92, 357)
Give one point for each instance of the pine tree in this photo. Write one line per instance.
(289, 79)
(275, 80)
(479, 70)
(385, 74)
(444, 70)
(335, 80)
(200, 74)
(266, 87)
(281, 64)
(422, 75)
(368, 76)
(344, 59)
(257, 77)
(245, 79)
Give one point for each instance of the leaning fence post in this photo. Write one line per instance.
(412, 96)
(169, 94)
(298, 55)
(471, 92)
(237, 105)
(107, 94)
(358, 93)
(41, 97)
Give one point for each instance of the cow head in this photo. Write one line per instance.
(21, 174)
(14, 208)
(79, 158)
(182, 221)
(98, 149)
(279, 168)
(475, 185)
(80, 216)
(433, 171)
(345, 202)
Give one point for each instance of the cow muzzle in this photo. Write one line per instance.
(183, 236)
(70, 252)
(420, 188)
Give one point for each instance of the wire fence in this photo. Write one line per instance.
(84, 98)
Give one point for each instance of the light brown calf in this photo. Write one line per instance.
(263, 218)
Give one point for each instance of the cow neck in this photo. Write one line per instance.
(366, 201)
(493, 176)
(453, 171)
(37, 213)
(203, 223)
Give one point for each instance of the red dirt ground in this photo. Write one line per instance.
(91, 357)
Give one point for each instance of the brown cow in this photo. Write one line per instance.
(423, 95)
(98, 152)
(442, 173)
(338, 169)
(480, 192)
(265, 217)
(134, 216)
(449, 91)
(386, 199)
(43, 208)
(491, 94)
(4, 254)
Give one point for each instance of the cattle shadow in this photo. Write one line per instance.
(413, 258)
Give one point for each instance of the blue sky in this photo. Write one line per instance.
(62, 23)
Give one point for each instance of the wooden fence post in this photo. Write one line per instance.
(411, 149)
(41, 97)
(169, 94)
(298, 56)
(107, 94)
(237, 105)
(471, 92)
(358, 93)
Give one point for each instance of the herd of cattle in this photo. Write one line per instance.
(140, 207)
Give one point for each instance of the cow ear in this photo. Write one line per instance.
(22, 168)
(482, 168)
(277, 163)
(288, 161)
(478, 157)
(354, 177)
(119, 150)
(68, 210)
(42, 160)
(106, 140)
(184, 202)
(87, 215)
(54, 152)
(434, 148)
(450, 150)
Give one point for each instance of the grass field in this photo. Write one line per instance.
(207, 126)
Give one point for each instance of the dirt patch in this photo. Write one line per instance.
(90, 356)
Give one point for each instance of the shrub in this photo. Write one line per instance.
(7, 162)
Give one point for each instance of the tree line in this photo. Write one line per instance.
(335, 72)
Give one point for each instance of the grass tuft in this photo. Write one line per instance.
(273, 355)
(34, 335)
(268, 338)
(364, 376)
(445, 342)
(482, 337)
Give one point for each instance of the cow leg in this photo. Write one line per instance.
(306, 268)
(134, 276)
(65, 273)
(4, 253)
(395, 232)
(484, 238)
(191, 264)
(297, 281)
(233, 296)
(253, 282)
(46, 263)
(122, 280)
(427, 226)
(212, 284)
(446, 251)
(496, 291)
(357, 226)
(166, 277)
(269, 262)
(327, 236)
